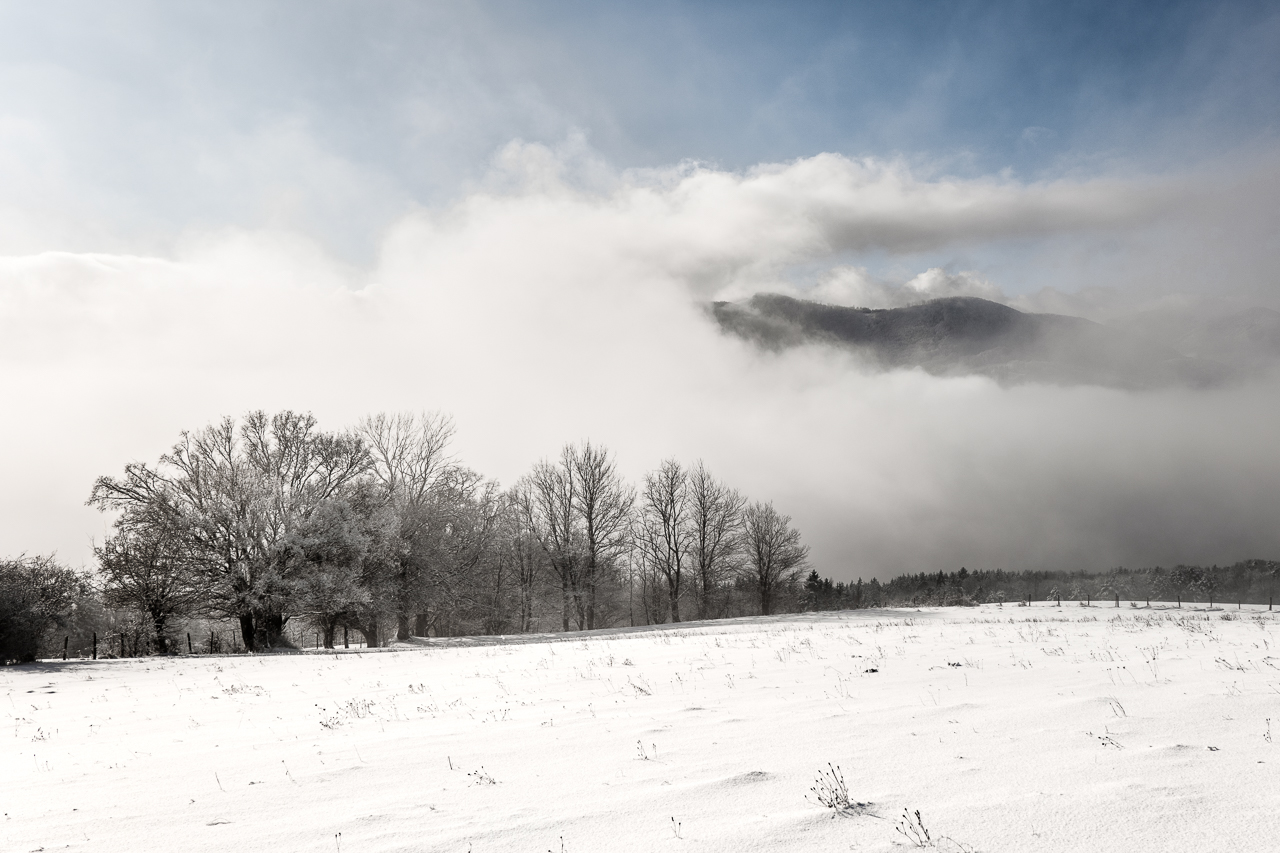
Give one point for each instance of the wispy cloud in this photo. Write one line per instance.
(544, 307)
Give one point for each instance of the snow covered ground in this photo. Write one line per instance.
(1019, 729)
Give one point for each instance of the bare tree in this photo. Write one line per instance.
(146, 566)
(580, 513)
(604, 503)
(524, 553)
(553, 520)
(651, 592)
(715, 543)
(410, 460)
(409, 452)
(663, 531)
(774, 553)
(470, 574)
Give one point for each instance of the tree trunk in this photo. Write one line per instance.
(270, 628)
(248, 632)
(402, 627)
(330, 628)
(421, 625)
(644, 599)
(564, 593)
(370, 633)
(674, 597)
(162, 642)
(766, 602)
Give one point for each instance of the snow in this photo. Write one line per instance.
(1013, 728)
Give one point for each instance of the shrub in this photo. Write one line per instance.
(36, 595)
(829, 790)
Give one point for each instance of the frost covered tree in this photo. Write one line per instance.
(604, 503)
(774, 553)
(663, 532)
(470, 575)
(553, 520)
(237, 491)
(1209, 582)
(332, 558)
(715, 535)
(145, 566)
(580, 513)
(521, 549)
(36, 595)
(411, 464)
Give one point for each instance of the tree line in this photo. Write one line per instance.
(269, 521)
(1246, 582)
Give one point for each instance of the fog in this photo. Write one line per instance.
(563, 300)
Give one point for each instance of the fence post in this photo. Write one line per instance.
(122, 644)
(95, 645)
(1117, 599)
(65, 640)
(190, 651)
(345, 644)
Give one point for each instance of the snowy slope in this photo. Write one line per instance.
(1027, 729)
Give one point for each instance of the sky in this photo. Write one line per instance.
(516, 213)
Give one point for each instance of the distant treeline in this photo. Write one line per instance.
(270, 532)
(1248, 582)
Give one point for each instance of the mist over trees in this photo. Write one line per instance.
(285, 530)
(1246, 582)
(269, 531)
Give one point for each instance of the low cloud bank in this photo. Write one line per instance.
(542, 312)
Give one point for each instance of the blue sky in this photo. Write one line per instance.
(154, 117)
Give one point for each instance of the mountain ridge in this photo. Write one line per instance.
(965, 335)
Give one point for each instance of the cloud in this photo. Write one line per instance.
(723, 232)
(855, 287)
(544, 308)
(1034, 135)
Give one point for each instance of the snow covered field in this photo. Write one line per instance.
(1019, 729)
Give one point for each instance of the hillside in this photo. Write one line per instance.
(967, 335)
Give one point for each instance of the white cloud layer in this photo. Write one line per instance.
(562, 303)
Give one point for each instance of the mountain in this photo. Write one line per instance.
(967, 335)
